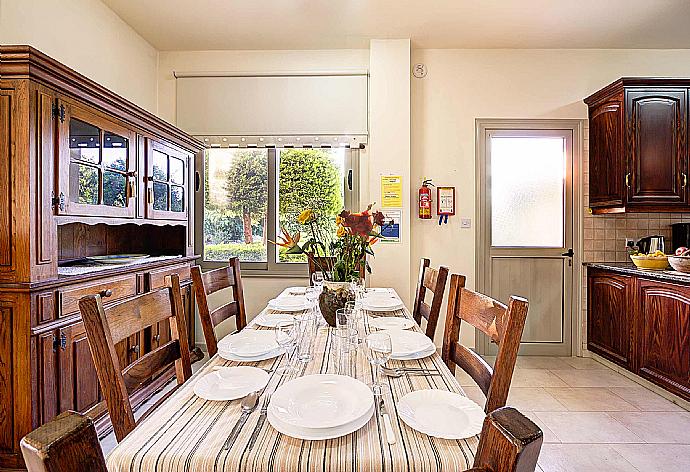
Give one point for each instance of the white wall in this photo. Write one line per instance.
(88, 37)
(463, 85)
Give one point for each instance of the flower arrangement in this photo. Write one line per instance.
(342, 257)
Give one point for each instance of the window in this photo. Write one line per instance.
(252, 194)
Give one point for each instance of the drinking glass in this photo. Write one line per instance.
(285, 333)
(356, 315)
(344, 330)
(378, 349)
(317, 280)
(305, 326)
(312, 295)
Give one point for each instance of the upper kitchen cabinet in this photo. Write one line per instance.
(97, 164)
(167, 182)
(638, 154)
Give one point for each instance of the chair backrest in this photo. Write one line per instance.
(66, 443)
(105, 327)
(325, 263)
(509, 442)
(210, 282)
(502, 324)
(435, 281)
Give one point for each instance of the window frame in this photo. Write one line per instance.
(272, 268)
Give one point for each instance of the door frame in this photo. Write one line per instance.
(481, 214)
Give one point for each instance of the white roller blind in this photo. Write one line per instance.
(273, 105)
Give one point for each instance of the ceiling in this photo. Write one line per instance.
(334, 24)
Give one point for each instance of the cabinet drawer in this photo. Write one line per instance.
(157, 277)
(121, 287)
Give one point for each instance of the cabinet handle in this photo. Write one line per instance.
(150, 196)
(685, 180)
(135, 349)
(627, 179)
(157, 338)
(105, 293)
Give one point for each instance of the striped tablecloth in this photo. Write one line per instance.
(187, 433)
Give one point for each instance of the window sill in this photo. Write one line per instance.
(265, 274)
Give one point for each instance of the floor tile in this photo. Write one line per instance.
(666, 457)
(593, 378)
(476, 395)
(536, 378)
(657, 427)
(587, 427)
(584, 363)
(549, 436)
(541, 362)
(582, 458)
(589, 399)
(644, 399)
(533, 399)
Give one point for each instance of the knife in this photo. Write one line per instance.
(390, 434)
(248, 404)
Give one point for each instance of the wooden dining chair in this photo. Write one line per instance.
(105, 327)
(325, 263)
(211, 282)
(433, 280)
(502, 324)
(509, 442)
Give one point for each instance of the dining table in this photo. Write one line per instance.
(188, 433)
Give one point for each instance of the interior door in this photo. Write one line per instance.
(528, 231)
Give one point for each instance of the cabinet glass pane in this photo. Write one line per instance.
(160, 165)
(527, 191)
(83, 184)
(160, 196)
(176, 198)
(115, 151)
(176, 171)
(114, 189)
(84, 141)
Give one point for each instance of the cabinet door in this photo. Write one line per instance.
(606, 155)
(167, 182)
(97, 164)
(609, 320)
(46, 346)
(78, 381)
(656, 141)
(664, 327)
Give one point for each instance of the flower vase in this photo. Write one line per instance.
(332, 298)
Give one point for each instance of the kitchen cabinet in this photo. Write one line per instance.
(167, 182)
(638, 153)
(609, 320)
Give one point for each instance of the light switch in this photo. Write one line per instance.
(465, 222)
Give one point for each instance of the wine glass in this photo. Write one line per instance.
(378, 349)
(285, 334)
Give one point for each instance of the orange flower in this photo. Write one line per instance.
(287, 240)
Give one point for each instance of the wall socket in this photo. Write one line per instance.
(629, 243)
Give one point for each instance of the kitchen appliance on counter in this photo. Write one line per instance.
(650, 244)
(680, 235)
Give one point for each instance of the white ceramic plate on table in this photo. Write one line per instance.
(288, 303)
(228, 356)
(382, 304)
(294, 291)
(391, 322)
(407, 343)
(321, 401)
(249, 343)
(441, 414)
(230, 383)
(417, 355)
(271, 320)
(311, 434)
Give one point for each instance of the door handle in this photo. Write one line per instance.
(570, 253)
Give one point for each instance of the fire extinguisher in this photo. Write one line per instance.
(425, 200)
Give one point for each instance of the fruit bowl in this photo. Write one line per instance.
(650, 262)
(680, 263)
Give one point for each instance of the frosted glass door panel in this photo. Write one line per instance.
(527, 191)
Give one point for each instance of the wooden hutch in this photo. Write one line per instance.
(83, 172)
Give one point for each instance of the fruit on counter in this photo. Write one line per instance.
(651, 255)
(681, 250)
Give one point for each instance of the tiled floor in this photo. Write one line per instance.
(595, 419)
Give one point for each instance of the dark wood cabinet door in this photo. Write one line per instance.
(664, 330)
(167, 182)
(606, 155)
(609, 321)
(78, 381)
(656, 147)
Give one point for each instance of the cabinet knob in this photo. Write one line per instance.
(105, 293)
(685, 180)
(157, 338)
(135, 349)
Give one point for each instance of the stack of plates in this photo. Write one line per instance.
(323, 406)
(271, 320)
(408, 345)
(249, 345)
(288, 303)
(382, 302)
(441, 414)
(390, 322)
(230, 383)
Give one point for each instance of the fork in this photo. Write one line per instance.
(260, 423)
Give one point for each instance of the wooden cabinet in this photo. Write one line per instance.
(664, 335)
(638, 152)
(78, 381)
(167, 182)
(642, 324)
(609, 317)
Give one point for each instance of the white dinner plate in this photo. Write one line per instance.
(441, 414)
(271, 320)
(288, 303)
(391, 322)
(249, 343)
(407, 343)
(417, 355)
(230, 383)
(321, 401)
(228, 356)
(382, 304)
(295, 291)
(311, 434)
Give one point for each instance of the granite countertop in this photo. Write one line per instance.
(629, 268)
